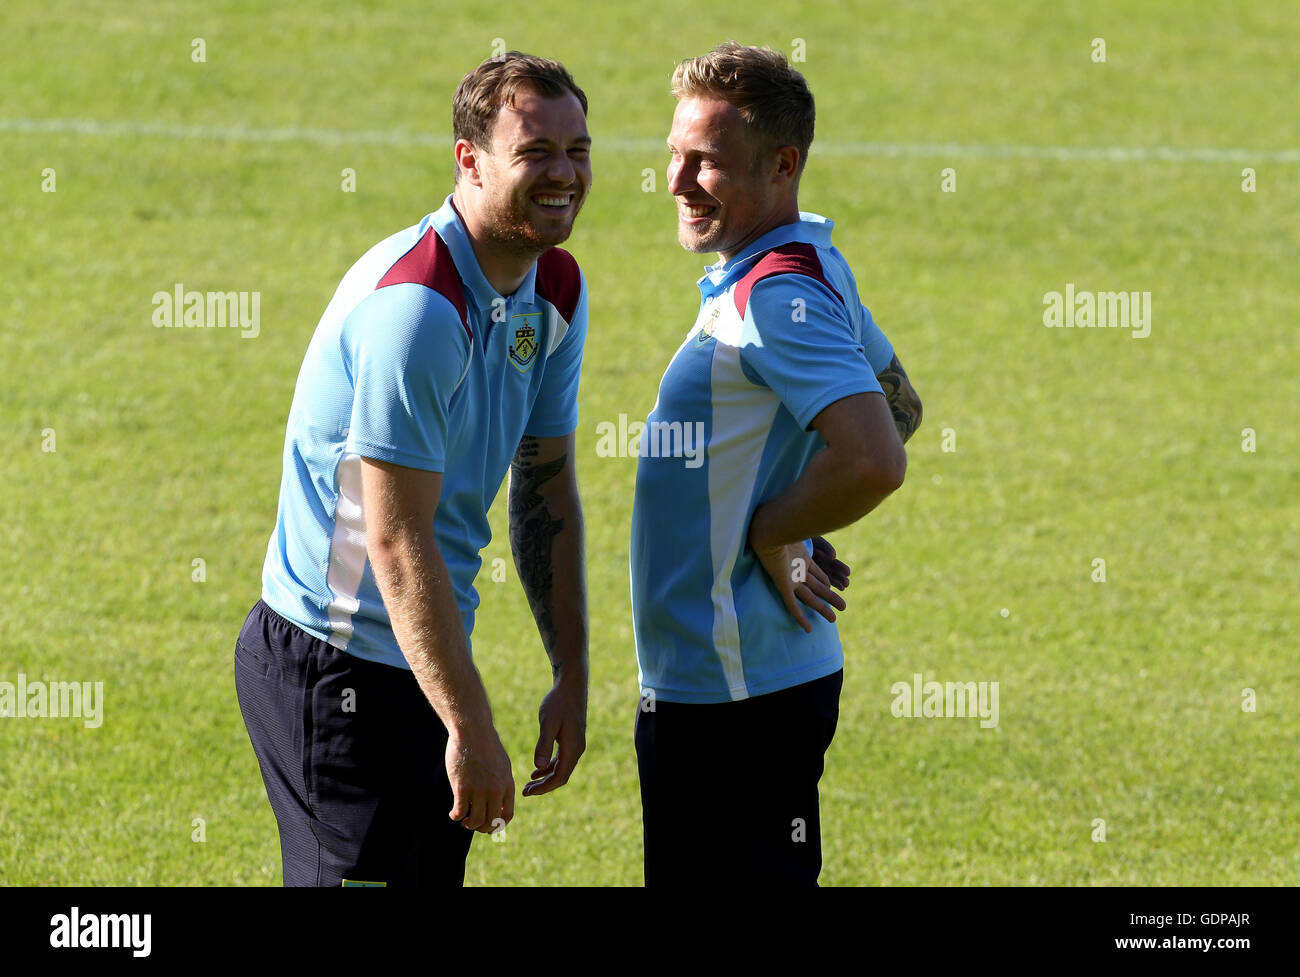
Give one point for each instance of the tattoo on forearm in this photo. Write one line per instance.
(532, 531)
(903, 402)
(526, 451)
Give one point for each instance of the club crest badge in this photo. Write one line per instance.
(709, 328)
(523, 350)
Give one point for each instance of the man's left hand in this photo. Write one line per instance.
(563, 720)
(837, 571)
(799, 579)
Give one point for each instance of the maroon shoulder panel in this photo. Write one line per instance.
(788, 259)
(559, 281)
(429, 263)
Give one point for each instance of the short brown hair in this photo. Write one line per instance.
(769, 94)
(495, 83)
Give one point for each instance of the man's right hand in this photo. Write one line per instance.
(482, 786)
(415, 584)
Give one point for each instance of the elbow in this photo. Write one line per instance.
(892, 472)
(381, 548)
(880, 476)
(392, 553)
(385, 555)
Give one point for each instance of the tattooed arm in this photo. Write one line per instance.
(547, 537)
(902, 398)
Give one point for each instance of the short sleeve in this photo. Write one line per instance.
(799, 341)
(555, 411)
(408, 350)
(875, 344)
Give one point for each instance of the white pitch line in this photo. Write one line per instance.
(91, 127)
(1114, 154)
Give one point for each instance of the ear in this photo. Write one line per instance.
(787, 164)
(467, 161)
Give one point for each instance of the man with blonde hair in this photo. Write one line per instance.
(803, 407)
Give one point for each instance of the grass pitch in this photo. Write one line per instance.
(1042, 451)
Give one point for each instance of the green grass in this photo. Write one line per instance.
(1119, 700)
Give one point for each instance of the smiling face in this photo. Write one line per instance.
(533, 178)
(728, 193)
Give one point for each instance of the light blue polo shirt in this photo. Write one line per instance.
(781, 334)
(417, 361)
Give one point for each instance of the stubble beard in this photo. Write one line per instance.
(511, 231)
(708, 242)
(697, 243)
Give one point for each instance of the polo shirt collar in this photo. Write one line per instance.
(451, 228)
(810, 228)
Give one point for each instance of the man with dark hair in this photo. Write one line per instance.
(804, 409)
(449, 353)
